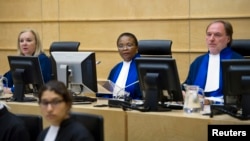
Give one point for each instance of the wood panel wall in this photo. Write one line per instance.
(97, 24)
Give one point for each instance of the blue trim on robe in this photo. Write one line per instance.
(134, 90)
(198, 71)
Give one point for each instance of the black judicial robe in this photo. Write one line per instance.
(11, 127)
(69, 130)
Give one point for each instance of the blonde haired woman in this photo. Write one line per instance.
(29, 44)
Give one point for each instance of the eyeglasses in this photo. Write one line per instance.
(129, 46)
(53, 103)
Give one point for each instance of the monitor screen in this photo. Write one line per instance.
(77, 70)
(26, 71)
(159, 81)
(236, 83)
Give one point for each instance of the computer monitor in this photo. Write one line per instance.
(26, 72)
(236, 84)
(159, 81)
(77, 70)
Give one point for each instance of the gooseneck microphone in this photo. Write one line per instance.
(98, 62)
(123, 89)
(121, 99)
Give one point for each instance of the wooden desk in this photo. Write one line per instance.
(114, 119)
(144, 126)
(172, 126)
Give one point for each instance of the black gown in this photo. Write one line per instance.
(11, 127)
(69, 130)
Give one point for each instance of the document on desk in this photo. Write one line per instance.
(105, 88)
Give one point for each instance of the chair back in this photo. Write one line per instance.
(241, 46)
(155, 47)
(34, 124)
(94, 123)
(64, 46)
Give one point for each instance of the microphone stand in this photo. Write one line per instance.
(116, 102)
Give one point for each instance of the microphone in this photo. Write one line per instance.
(131, 84)
(123, 89)
(98, 62)
(125, 103)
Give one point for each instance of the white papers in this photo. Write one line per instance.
(113, 89)
(215, 99)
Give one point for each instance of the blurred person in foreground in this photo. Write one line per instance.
(11, 127)
(55, 104)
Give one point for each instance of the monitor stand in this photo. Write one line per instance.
(153, 94)
(151, 102)
(19, 91)
(19, 96)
